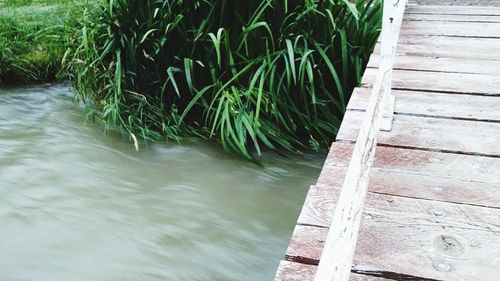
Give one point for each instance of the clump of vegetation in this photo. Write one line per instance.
(34, 36)
(249, 74)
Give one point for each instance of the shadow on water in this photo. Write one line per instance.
(77, 204)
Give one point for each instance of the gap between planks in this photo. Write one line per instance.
(292, 271)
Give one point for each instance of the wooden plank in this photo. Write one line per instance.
(336, 258)
(476, 218)
(406, 236)
(458, 42)
(292, 271)
(431, 104)
(465, 83)
(456, 18)
(460, 136)
(427, 163)
(469, 29)
(448, 47)
(339, 249)
(414, 185)
(453, 10)
(429, 175)
(439, 64)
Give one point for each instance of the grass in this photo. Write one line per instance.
(251, 75)
(34, 36)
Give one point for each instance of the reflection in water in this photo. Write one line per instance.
(76, 204)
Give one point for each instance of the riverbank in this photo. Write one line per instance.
(186, 69)
(34, 36)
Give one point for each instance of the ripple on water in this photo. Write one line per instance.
(81, 205)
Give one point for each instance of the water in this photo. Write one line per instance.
(77, 204)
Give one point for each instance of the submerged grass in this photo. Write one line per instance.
(249, 74)
(34, 36)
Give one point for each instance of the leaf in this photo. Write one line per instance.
(352, 8)
(291, 57)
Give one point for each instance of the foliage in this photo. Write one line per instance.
(249, 74)
(34, 35)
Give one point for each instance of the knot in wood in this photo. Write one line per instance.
(441, 266)
(437, 212)
(448, 245)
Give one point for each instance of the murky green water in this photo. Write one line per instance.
(76, 204)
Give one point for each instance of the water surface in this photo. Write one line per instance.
(77, 204)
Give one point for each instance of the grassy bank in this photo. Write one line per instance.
(34, 36)
(273, 74)
(251, 75)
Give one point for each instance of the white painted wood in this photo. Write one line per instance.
(339, 249)
(392, 20)
(388, 118)
(338, 253)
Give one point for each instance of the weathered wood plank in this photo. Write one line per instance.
(460, 136)
(414, 237)
(465, 83)
(448, 47)
(419, 186)
(453, 10)
(469, 29)
(428, 163)
(338, 252)
(321, 202)
(436, 104)
(458, 42)
(457, 65)
(339, 249)
(456, 18)
(446, 177)
(292, 271)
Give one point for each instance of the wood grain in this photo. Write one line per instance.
(292, 271)
(446, 28)
(433, 199)
(453, 10)
(410, 237)
(465, 83)
(427, 163)
(427, 175)
(457, 18)
(448, 47)
(337, 255)
(457, 65)
(339, 249)
(436, 104)
(459, 136)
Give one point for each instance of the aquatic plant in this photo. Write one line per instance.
(249, 74)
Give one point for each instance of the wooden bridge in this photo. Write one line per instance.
(431, 210)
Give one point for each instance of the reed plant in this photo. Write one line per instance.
(273, 74)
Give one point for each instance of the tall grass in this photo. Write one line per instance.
(248, 74)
